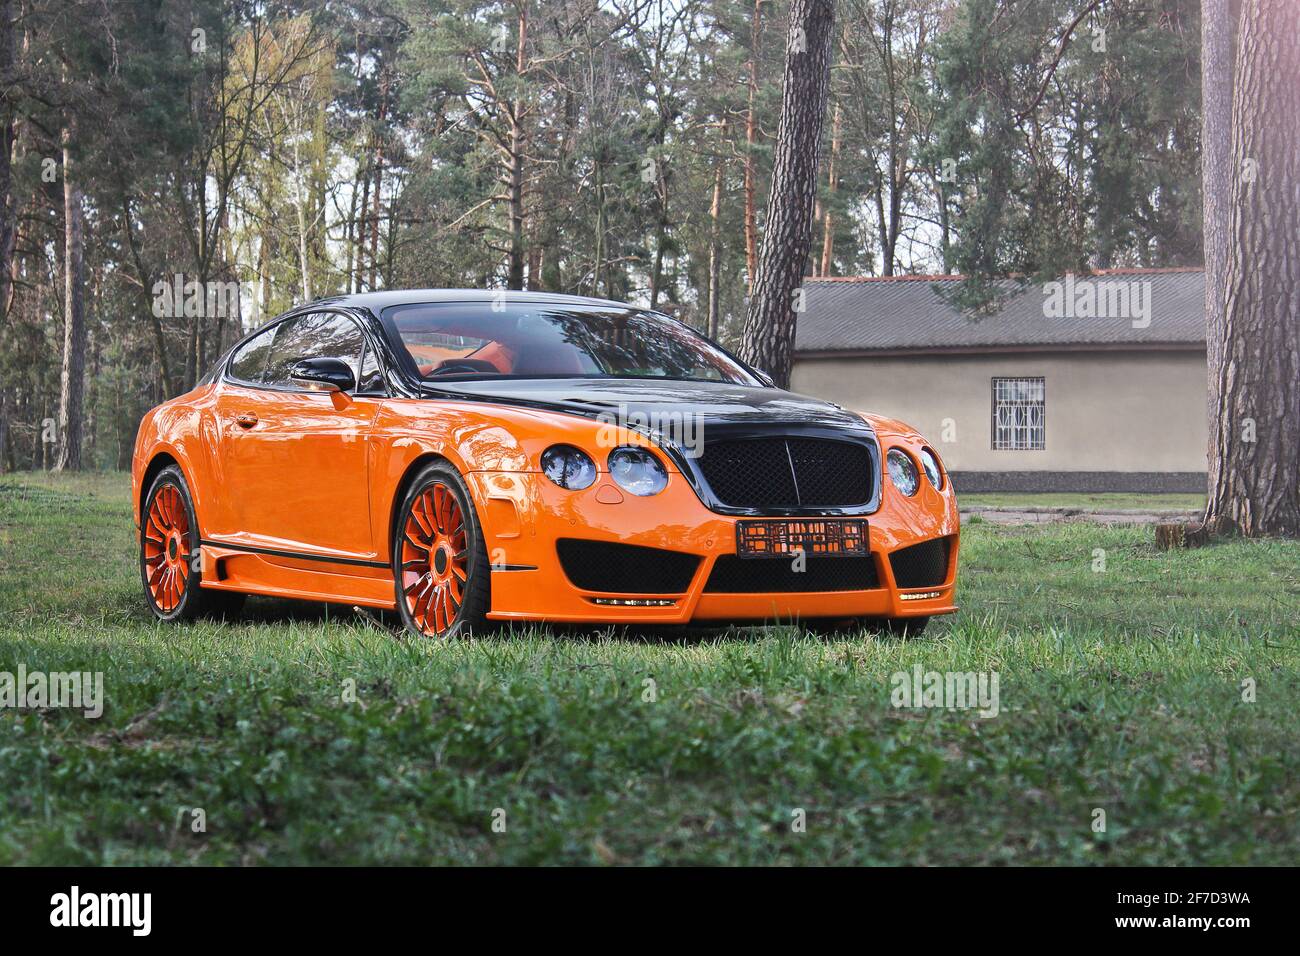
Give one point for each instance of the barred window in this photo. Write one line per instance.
(1019, 407)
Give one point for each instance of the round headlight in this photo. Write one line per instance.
(637, 470)
(930, 462)
(902, 471)
(569, 467)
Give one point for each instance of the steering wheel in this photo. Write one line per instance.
(453, 368)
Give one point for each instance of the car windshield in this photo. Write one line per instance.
(463, 340)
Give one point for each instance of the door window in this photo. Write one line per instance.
(248, 364)
(315, 335)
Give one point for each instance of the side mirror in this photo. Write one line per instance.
(323, 375)
(765, 378)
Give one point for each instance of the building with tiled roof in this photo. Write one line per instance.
(1089, 383)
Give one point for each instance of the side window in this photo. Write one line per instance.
(315, 335)
(248, 364)
(371, 378)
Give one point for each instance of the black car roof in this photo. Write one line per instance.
(377, 301)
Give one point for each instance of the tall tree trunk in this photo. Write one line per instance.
(377, 196)
(264, 275)
(363, 223)
(715, 250)
(1218, 26)
(4, 430)
(1255, 458)
(350, 238)
(515, 174)
(751, 141)
(8, 135)
(832, 182)
(299, 205)
(770, 323)
(72, 379)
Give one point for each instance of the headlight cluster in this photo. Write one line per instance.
(635, 470)
(570, 468)
(903, 473)
(930, 462)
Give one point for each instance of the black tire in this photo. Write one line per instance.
(903, 626)
(432, 599)
(169, 552)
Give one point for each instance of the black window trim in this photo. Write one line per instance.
(411, 372)
(367, 338)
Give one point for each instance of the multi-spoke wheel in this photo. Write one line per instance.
(440, 564)
(167, 548)
(169, 554)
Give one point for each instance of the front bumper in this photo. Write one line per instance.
(524, 515)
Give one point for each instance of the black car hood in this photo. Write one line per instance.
(716, 403)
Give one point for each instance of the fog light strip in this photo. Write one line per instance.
(635, 602)
(923, 596)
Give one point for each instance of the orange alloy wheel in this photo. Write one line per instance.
(167, 548)
(435, 559)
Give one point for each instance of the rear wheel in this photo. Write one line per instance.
(169, 555)
(440, 565)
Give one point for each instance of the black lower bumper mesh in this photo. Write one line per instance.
(735, 575)
(923, 565)
(614, 568)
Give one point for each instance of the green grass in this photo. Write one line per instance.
(1120, 690)
(1103, 501)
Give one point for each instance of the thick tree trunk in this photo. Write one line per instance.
(770, 323)
(72, 379)
(1218, 24)
(1255, 457)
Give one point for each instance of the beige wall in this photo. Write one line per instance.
(1105, 411)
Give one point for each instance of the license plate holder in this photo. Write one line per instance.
(784, 537)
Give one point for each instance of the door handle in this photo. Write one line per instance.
(247, 420)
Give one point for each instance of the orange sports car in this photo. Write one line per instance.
(469, 457)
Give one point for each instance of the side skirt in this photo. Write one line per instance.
(291, 575)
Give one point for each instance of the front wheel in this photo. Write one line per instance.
(169, 555)
(842, 627)
(440, 566)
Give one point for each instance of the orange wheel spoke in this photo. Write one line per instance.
(433, 559)
(166, 548)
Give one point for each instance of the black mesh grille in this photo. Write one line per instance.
(736, 575)
(749, 474)
(755, 473)
(625, 568)
(831, 472)
(923, 565)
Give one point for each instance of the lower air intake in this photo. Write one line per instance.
(735, 575)
(923, 565)
(625, 568)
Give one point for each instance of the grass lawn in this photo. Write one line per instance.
(1105, 501)
(1120, 690)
